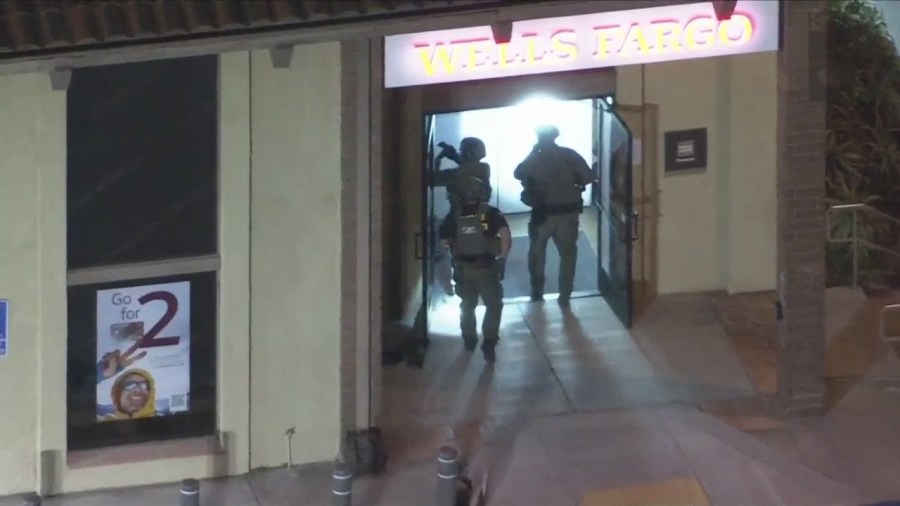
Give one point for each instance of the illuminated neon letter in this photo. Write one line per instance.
(699, 32)
(502, 55)
(440, 52)
(531, 53)
(666, 35)
(605, 35)
(478, 56)
(635, 37)
(564, 44)
(737, 22)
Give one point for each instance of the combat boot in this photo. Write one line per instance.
(489, 350)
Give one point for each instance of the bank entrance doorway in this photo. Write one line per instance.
(609, 222)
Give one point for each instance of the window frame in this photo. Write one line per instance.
(91, 267)
(152, 272)
(176, 426)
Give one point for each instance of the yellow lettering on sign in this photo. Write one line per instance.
(667, 35)
(605, 36)
(478, 56)
(503, 55)
(635, 39)
(440, 54)
(560, 47)
(738, 23)
(564, 45)
(700, 32)
(531, 53)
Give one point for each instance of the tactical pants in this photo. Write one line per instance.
(474, 282)
(563, 229)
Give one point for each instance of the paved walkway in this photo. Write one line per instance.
(605, 458)
(579, 412)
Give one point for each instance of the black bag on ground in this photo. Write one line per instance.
(463, 491)
(363, 451)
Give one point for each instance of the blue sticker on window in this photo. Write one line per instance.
(4, 327)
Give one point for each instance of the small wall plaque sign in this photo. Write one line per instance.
(686, 150)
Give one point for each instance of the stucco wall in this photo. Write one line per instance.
(280, 186)
(234, 322)
(296, 234)
(29, 156)
(717, 229)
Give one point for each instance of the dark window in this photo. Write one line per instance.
(84, 429)
(142, 186)
(142, 162)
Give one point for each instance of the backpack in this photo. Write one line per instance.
(533, 193)
(534, 190)
(363, 451)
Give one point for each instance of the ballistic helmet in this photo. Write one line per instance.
(471, 149)
(471, 189)
(547, 131)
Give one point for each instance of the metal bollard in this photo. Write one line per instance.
(31, 500)
(190, 493)
(341, 486)
(447, 475)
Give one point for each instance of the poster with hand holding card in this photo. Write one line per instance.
(143, 351)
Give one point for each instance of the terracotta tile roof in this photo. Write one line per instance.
(29, 27)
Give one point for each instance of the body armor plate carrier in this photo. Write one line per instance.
(472, 244)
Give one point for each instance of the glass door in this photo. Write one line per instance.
(616, 221)
(429, 247)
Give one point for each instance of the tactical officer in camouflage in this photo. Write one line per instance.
(553, 178)
(468, 160)
(479, 240)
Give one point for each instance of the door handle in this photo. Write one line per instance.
(419, 246)
(635, 220)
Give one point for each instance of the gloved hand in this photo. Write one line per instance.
(447, 151)
(501, 267)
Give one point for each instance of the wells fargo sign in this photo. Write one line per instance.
(606, 39)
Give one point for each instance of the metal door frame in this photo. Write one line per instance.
(629, 227)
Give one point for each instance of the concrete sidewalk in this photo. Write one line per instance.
(616, 457)
(847, 458)
(571, 460)
(579, 412)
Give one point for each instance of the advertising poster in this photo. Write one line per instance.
(143, 351)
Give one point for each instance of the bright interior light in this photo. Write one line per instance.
(539, 101)
(609, 100)
(509, 136)
(538, 110)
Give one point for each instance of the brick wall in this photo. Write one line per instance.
(801, 209)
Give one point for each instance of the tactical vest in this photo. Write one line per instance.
(472, 241)
(553, 183)
(465, 171)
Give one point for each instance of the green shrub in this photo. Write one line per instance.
(863, 127)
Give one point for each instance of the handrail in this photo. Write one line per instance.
(854, 232)
(867, 208)
(883, 326)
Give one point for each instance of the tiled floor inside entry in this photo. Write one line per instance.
(518, 224)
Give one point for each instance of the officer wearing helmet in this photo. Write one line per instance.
(468, 160)
(479, 240)
(553, 180)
